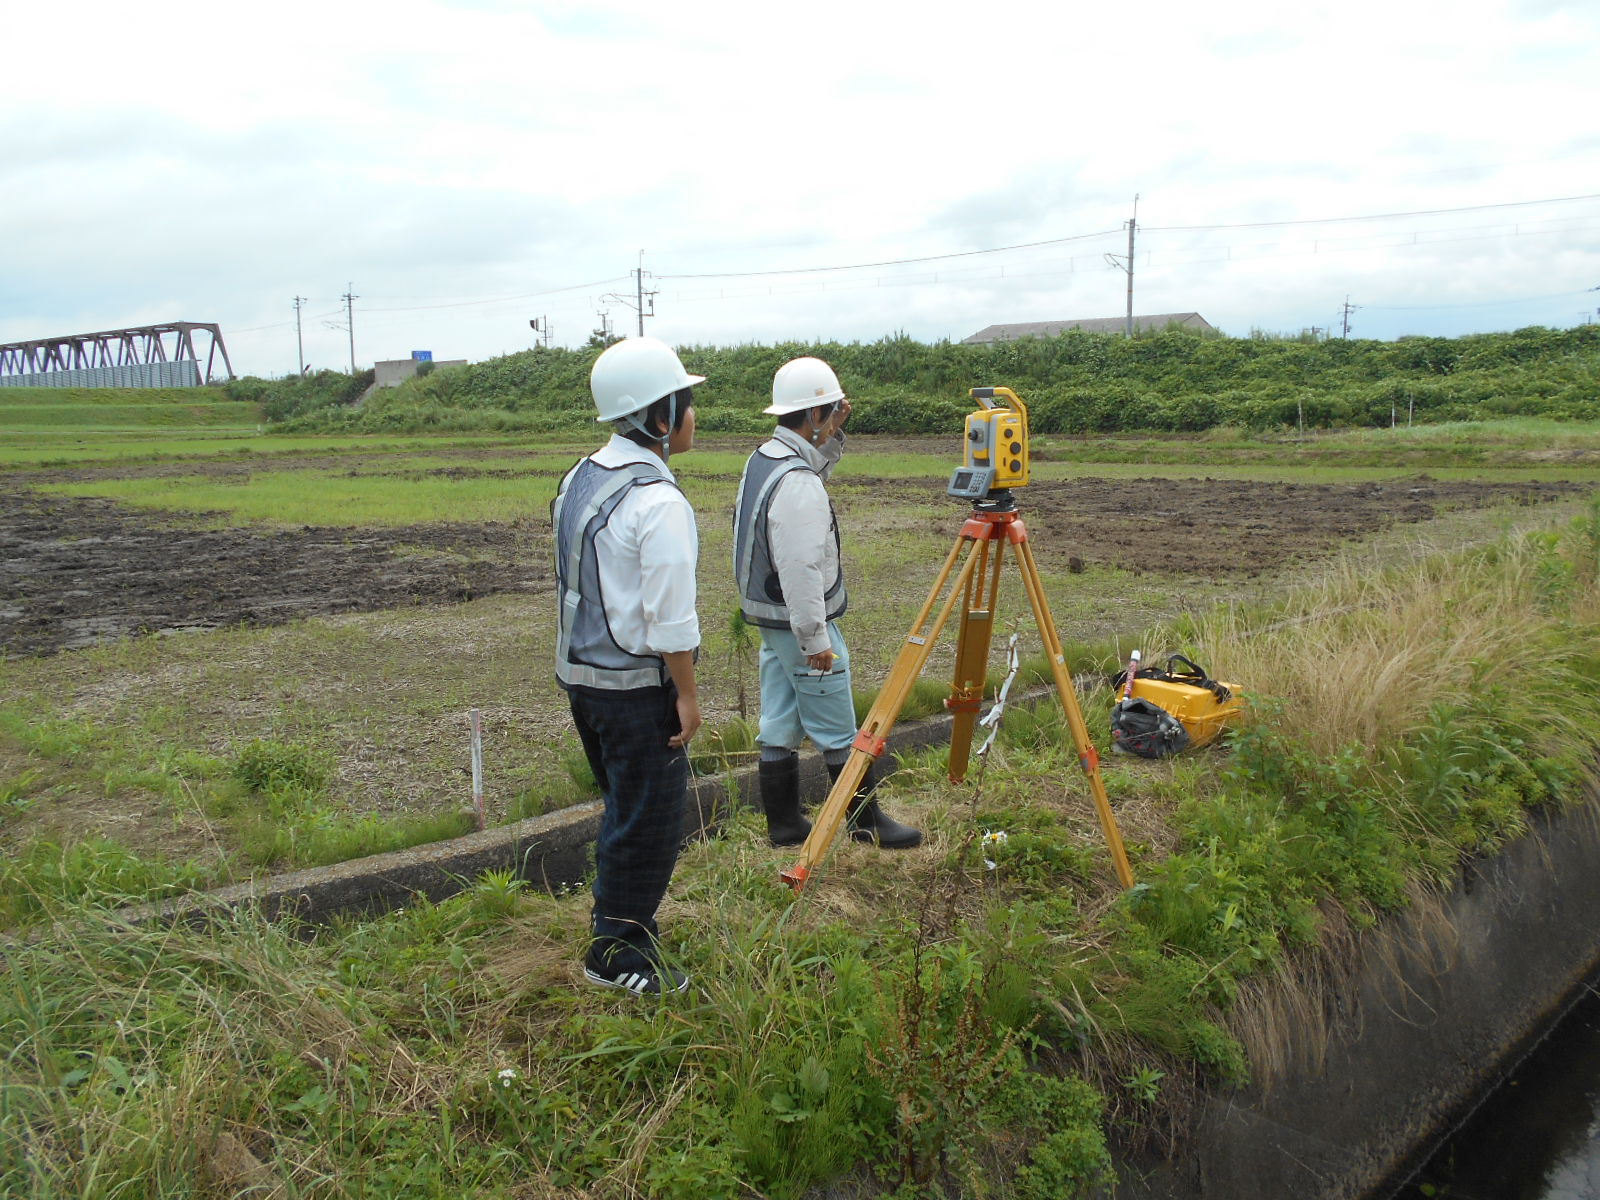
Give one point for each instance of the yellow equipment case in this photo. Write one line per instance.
(1203, 705)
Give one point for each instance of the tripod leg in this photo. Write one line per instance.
(875, 729)
(972, 656)
(1087, 756)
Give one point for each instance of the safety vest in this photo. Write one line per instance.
(760, 594)
(586, 653)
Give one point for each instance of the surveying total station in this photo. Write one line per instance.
(995, 461)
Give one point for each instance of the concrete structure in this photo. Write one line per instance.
(1193, 322)
(396, 371)
(1368, 1054)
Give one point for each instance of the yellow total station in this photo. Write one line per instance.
(996, 445)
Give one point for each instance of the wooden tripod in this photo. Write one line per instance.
(977, 584)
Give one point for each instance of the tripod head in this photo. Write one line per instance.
(996, 450)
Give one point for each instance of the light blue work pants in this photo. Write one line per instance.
(798, 702)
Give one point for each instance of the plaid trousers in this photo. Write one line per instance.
(643, 782)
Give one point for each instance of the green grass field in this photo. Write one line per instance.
(895, 541)
(990, 1012)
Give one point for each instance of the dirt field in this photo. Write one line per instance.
(77, 571)
(1225, 529)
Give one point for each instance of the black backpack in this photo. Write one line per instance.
(1148, 730)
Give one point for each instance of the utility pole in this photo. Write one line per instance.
(1345, 324)
(638, 291)
(299, 340)
(637, 300)
(1132, 222)
(1119, 262)
(541, 326)
(349, 299)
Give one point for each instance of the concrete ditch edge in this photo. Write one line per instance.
(1443, 1000)
(550, 851)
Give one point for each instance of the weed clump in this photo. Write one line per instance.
(268, 766)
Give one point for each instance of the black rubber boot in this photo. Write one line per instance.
(867, 821)
(780, 800)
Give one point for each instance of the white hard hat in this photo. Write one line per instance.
(803, 383)
(633, 374)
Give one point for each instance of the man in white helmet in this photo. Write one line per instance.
(791, 585)
(627, 633)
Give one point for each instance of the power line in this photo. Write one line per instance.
(575, 287)
(1474, 303)
(347, 311)
(1426, 212)
(1432, 212)
(898, 262)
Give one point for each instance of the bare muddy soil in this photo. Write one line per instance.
(1229, 529)
(77, 571)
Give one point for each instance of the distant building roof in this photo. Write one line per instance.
(1040, 329)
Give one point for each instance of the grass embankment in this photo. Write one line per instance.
(45, 416)
(1075, 383)
(980, 1013)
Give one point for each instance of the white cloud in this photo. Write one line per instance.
(456, 162)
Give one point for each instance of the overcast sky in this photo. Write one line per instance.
(837, 170)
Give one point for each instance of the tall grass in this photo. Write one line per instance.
(1366, 653)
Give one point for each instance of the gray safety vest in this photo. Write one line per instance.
(587, 655)
(760, 594)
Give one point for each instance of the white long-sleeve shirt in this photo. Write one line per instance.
(647, 555)
(803, 540)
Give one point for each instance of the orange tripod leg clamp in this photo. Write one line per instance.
(870, 743)
(795, 876)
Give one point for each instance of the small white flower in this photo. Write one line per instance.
(994, 837)
(507, 1077)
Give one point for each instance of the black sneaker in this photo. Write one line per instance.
(649, 980)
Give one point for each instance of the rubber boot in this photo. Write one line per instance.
(780, 800)
(867, 821)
